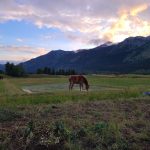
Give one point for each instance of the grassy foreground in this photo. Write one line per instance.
(114, 114)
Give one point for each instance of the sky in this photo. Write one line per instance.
(30, 28)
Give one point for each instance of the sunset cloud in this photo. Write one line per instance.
(137, 9)
(128, 24)
(83, 22)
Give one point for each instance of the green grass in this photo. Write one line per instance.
(55, 89)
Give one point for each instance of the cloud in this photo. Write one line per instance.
(95, 42)
(96, 20)
(23, 49)
(136, 10)
(13, 52)
(84, 38)
(19, 39)
(129, 24)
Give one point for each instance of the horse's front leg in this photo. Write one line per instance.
(81, 86)
(72, 86)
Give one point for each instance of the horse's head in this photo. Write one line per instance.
(87, 87)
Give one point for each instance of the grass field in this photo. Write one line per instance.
(40, 113)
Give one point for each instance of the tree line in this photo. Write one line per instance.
(52, 71)
(14, 70)
(18, 70)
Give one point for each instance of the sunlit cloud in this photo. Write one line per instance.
(138, 9)
(129, 24)
(97, 21)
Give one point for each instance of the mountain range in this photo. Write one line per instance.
(1, 67)
(129, 56)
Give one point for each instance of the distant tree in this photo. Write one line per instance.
(47, 70)
(1, 72)
(70, 72)
(20, 72)
(52, 71)
(60, 72)
(8, 68)
(14, 70)
(39, 71)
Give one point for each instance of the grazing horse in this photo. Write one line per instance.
(78, 79)
(1, 77)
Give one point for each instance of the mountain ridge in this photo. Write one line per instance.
(130, 55)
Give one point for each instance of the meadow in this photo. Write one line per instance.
(39, 112)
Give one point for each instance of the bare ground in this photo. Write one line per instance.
(132, 118)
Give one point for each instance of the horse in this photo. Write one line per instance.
(1, 77)
(78, 79)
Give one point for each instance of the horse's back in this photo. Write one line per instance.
(76, 78)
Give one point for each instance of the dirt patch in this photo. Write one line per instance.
(125, 119)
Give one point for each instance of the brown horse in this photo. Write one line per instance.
(78, 79)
